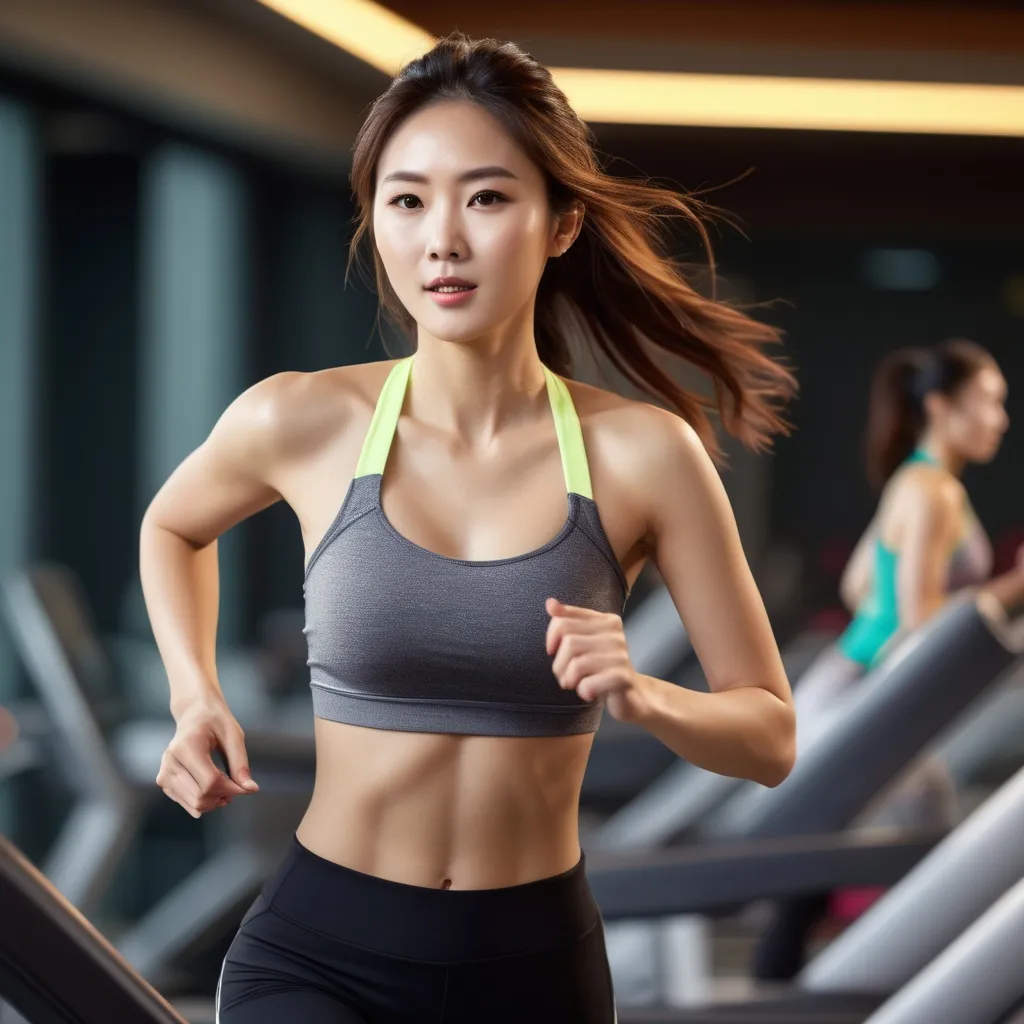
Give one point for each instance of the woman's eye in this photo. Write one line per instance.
(488, 198)
(407, 201)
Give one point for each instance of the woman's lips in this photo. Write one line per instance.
(449, 296)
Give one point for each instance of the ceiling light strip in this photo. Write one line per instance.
(367, 30)
(764, 101)
(386, 41)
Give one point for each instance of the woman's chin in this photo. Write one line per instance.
(457, 329)
(986, 455)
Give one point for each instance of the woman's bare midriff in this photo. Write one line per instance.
(444, 811)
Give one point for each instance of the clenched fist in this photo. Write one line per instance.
(188, 774)
(590, 656)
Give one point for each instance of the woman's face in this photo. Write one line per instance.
(975, 416)
(462, 222)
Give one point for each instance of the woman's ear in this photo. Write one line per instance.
(567, 230)
(936, 406)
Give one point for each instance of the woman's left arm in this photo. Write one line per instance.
(745, 726)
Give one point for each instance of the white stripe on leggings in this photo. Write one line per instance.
(216, 998)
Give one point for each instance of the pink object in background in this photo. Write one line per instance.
(8, 728)
(847, 905)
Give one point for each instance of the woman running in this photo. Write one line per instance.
(473, 520)
(931, 414)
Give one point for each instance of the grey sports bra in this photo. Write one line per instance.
(403, 638)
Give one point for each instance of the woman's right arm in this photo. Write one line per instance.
(225, 480)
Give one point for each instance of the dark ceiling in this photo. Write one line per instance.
(793, 179)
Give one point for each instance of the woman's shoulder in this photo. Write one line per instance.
(292, 412)
(608, 411)
(634, 438)
(294, 389)
(926, 482)
(924, 490)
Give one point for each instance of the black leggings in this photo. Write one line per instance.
(323, 944)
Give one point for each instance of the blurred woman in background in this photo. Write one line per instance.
(932, 412)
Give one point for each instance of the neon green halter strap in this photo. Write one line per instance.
(374, 455)
(570, 437)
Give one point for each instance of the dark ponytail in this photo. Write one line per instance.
(617, 287)
(896, 407)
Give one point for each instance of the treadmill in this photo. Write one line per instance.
(55, 967)
(793, 845)
(109, 761)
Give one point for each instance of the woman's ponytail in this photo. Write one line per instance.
(895, 414)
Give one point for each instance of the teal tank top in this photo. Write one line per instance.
(877, 619)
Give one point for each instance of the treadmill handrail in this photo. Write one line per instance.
(59, 958)
(710, 878)
(43, 652)
(890, 717)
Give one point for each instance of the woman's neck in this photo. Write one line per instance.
(939, 450)
(475, 389)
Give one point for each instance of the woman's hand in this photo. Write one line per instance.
(188, 774)
(590, 657)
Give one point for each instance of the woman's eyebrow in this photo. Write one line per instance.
(493, 171)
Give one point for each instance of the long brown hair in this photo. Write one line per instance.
(896, 408)
(617, 280)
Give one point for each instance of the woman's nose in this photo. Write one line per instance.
(445, 242)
